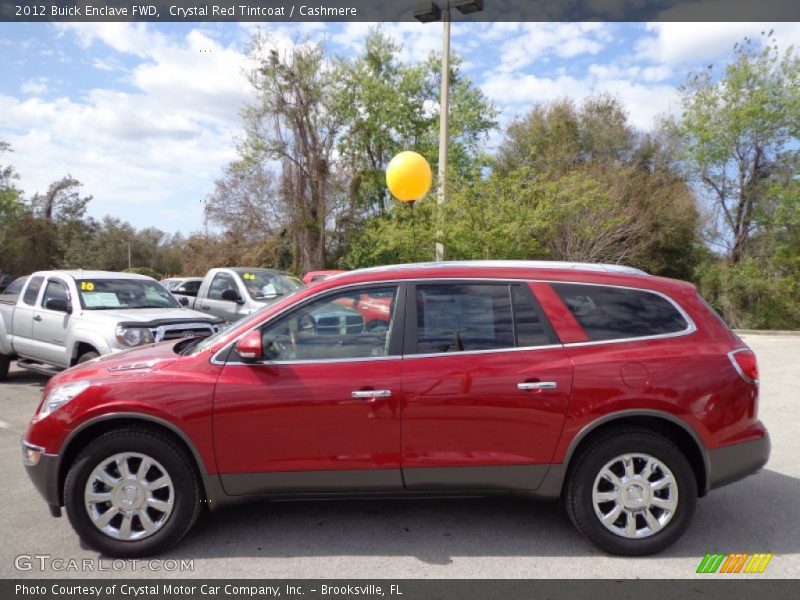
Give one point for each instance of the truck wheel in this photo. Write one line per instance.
(87, 356)
(632, 492)
(132, 493)
(5, 363)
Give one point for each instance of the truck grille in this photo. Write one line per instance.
(340, 324)
(182, 330)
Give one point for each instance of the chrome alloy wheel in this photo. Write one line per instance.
(635, 495)
(129, 496)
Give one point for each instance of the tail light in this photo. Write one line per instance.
(745, 363)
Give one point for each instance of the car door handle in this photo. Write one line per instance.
(205, 307)
(37, 318)
(366, 394)
(537, 385)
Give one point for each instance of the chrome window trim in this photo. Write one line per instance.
(691, 328)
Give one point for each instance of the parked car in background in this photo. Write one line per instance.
(183, 286)
(312, 276)
(62, 318)
(622, 393)
(233, 293)
(5, 280)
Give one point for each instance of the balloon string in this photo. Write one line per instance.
(413, 233)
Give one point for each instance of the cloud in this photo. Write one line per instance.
(157, 141)
(680, 43)
(644, 102)
(34, 87)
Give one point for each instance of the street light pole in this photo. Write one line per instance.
(441, 191)
(428, 12)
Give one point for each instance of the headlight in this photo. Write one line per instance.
(134, 336)
(61, 395)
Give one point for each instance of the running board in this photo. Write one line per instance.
(36, 367)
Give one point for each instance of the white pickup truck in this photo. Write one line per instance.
(62, 318)
(233, 293)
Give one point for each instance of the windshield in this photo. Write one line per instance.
(171, 284)
(108, 294)
(267, 285)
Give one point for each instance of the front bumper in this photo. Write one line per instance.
(732, 463)
(44, 475)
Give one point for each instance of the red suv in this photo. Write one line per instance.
(620, 392)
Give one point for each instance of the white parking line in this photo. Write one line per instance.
(4, 425)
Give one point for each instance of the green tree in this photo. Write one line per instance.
(738, 132)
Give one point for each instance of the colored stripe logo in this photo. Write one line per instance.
(734, 563)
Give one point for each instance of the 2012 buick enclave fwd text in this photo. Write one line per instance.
(620, 392)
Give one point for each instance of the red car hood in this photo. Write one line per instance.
(145, 358)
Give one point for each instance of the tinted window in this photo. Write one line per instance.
(529, 325)
(608, 313)
(330, 328)
(220, 283)
(463, 317)
(16, 286)
(55, 290)
(191, 286)
(32, 291)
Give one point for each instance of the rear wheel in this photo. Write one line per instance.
(632, 492)
(132, 493)
(5, 363)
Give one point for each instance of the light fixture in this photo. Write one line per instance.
(427, 12)
(466, 7)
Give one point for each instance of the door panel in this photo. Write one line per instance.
(467, 411)
(486, 387)
(323, 416)
(51, 328)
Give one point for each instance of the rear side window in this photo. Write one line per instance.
(32, 291)
(463, 318)
(613, 313)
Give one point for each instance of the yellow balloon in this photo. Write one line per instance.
(409, 176)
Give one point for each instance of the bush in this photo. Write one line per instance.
(144, 271)
(751, 296)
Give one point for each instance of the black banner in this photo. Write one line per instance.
(403, 589)
(399, 10)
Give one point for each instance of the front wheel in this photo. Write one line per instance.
(631, 493)
(132, 493)
(87, 356)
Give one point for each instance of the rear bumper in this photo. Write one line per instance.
(732, 463)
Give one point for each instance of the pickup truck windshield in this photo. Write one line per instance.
(266, 285)
(110, 294)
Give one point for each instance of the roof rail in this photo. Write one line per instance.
(524, 264)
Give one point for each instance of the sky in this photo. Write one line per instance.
(146, 115)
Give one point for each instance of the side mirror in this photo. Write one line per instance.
(248, 347)
(232, 296)
(58, 304)
(183, 301)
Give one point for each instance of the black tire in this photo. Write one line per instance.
(586, 468)
(87, 356)
(5, 363)
(179, 467)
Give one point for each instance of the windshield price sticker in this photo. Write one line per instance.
(87, 286)
(248, 276)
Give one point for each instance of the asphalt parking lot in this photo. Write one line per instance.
(480, 538)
